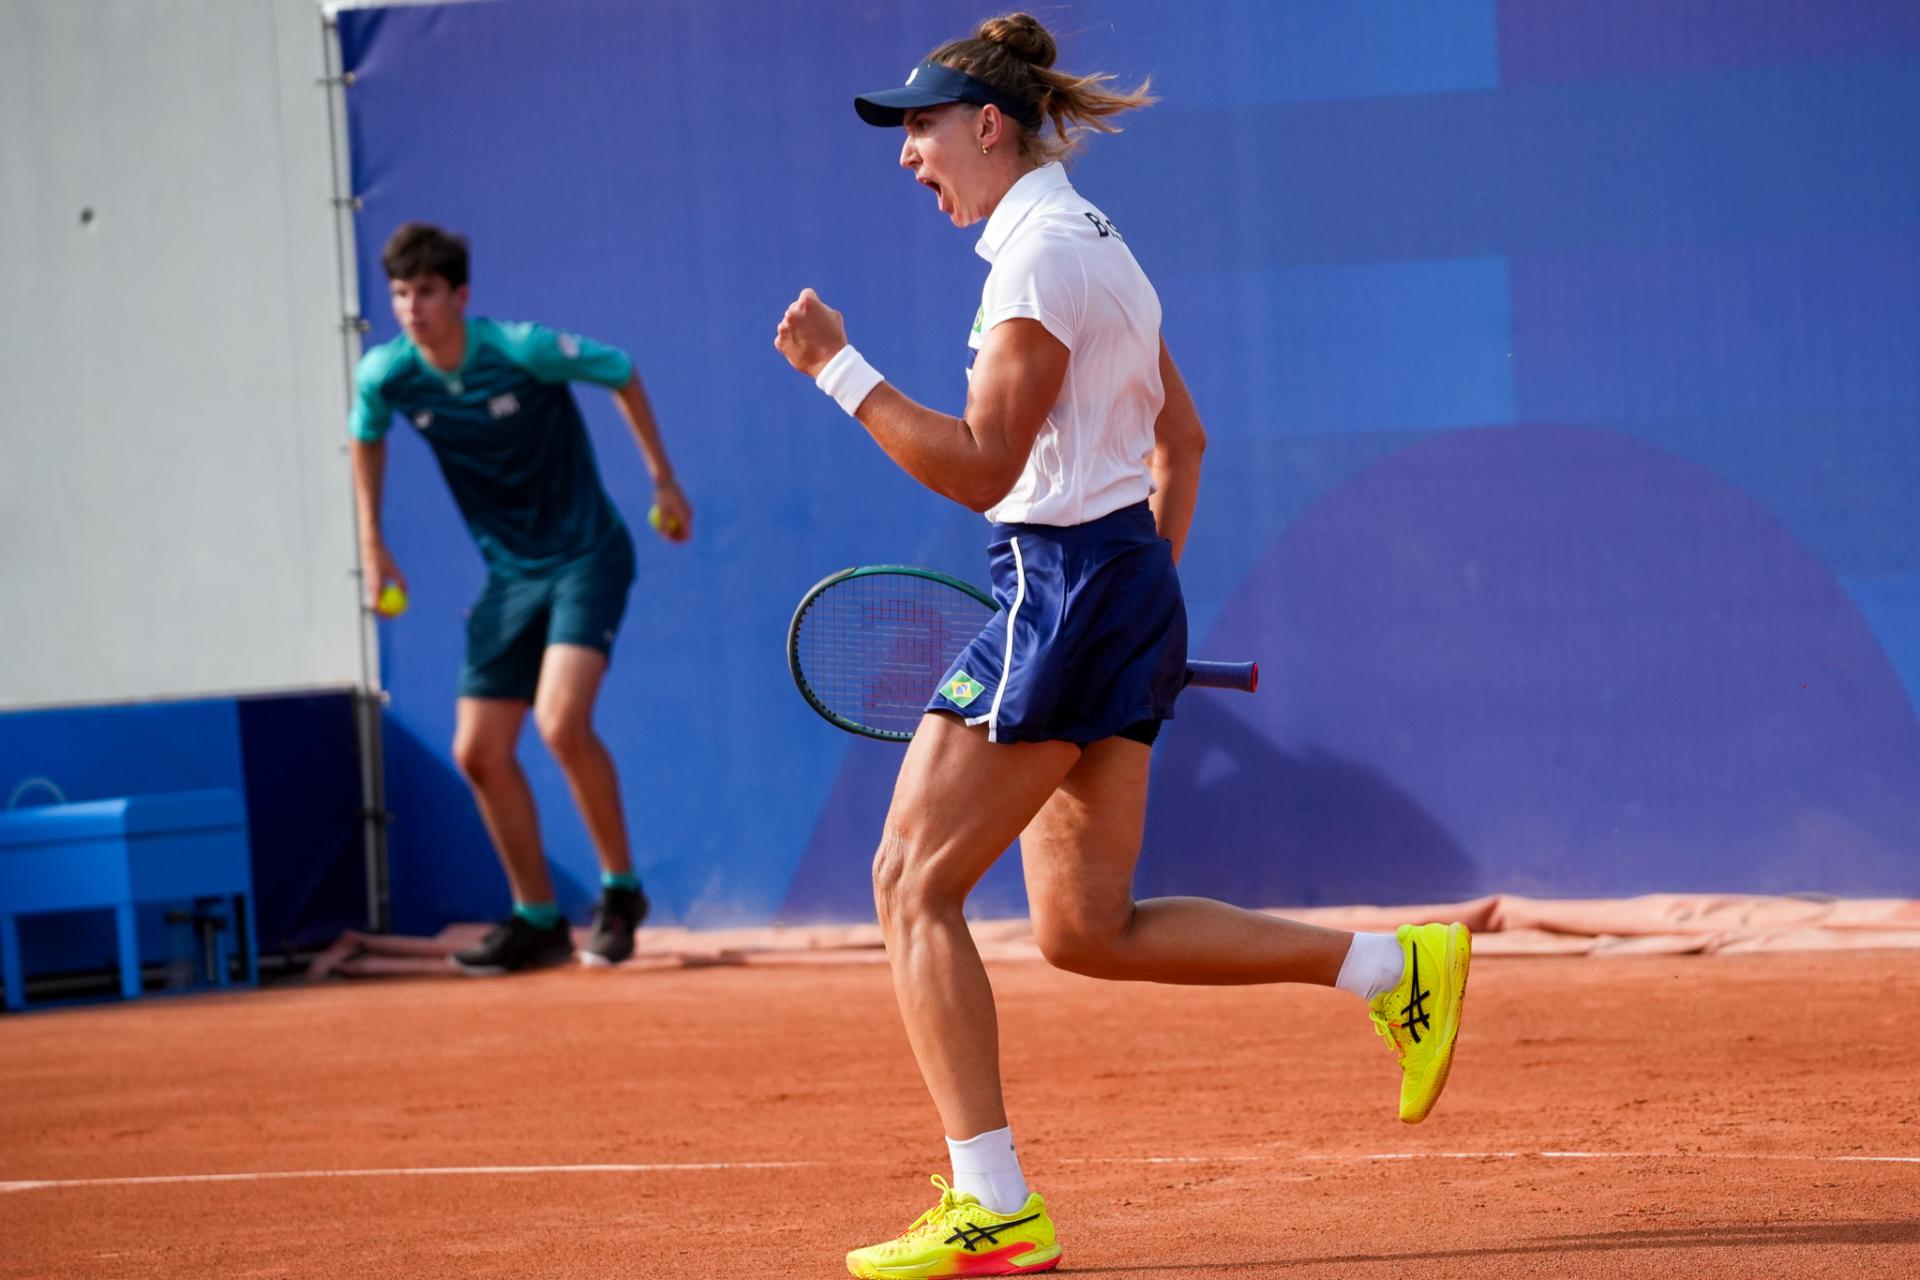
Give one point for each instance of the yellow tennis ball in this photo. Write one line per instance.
(392, 602)
(661, 520)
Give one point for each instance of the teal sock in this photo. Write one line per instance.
(541, 915)
(619, 880)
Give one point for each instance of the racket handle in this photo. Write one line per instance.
(1244, 676)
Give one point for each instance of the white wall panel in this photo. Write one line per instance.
(175, 514)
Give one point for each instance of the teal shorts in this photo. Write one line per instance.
(516, 618)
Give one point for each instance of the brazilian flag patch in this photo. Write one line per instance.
(962, 689)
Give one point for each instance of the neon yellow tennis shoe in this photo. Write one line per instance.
(1420, 1018)
(962, 1237)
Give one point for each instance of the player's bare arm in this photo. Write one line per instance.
(973, 459)
(1178, 443)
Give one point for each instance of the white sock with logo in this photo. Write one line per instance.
(1374, 964)
(987, 1168)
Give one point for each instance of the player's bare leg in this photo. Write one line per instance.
(958, 803)
(1080, 852)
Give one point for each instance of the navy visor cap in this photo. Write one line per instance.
(929, 85)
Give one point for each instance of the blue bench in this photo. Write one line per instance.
(187, 848)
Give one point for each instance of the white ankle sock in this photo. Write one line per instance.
(988, 1168)
(1374, 964)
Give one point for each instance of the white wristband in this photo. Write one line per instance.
(848, 378)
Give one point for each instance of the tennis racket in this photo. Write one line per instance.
(867, 646)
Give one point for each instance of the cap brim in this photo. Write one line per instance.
(888, 108)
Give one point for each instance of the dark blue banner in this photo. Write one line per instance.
(1558, 365)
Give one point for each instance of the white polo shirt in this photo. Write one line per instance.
(1057, 259)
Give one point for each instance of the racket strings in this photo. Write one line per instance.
(874, 648)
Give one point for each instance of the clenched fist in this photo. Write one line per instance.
(810, 333)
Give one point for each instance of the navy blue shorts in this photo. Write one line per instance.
(1090, 640)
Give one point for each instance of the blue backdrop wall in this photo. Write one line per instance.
(1558, 364)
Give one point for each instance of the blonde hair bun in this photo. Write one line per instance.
(1021, 35)
(1015, 54)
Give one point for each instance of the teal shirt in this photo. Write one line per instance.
(507, 434)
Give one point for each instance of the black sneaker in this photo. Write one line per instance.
(619, 914)
(514, 945)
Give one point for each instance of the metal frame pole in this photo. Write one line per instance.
(368, 698)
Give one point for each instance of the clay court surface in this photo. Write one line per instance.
(1754, 1115)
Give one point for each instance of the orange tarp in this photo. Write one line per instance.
(1503, 925)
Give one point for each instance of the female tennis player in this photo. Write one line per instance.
(1082, 447)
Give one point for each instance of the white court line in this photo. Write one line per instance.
(1619, 1155)
(1165, 1159)
(481, 1171)
(1724, 1155)
(487, 1171)
(1383, 1156)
